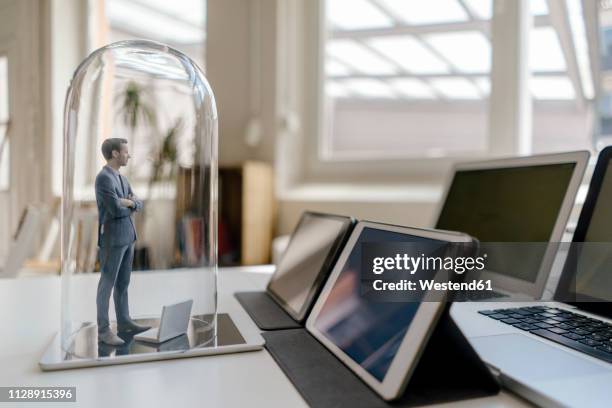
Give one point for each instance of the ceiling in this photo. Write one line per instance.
(441, 49)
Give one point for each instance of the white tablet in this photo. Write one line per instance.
(381, 342)
(228, 335)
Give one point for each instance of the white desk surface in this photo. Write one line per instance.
(30, 317)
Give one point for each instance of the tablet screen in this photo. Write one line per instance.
(298, 273)
(591, 278)
(370, 333)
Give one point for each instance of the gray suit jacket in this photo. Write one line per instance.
(115, 224)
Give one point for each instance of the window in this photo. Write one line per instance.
(179, 24)
(411, 79)
(4, 124)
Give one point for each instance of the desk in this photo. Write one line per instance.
(238, 380)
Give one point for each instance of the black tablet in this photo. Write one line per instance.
(312, 251)
(586, 280)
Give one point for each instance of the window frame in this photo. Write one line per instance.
(303, 114)
(6, 53)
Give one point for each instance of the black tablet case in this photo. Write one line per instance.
(265, 312)
(449, 369)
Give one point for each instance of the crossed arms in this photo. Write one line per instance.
(117, 207)
(132, 201)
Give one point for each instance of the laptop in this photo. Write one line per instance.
(515, 200)
(174, 322)
(558, 353)
(302, 271)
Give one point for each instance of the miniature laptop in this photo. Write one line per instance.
(174, 322)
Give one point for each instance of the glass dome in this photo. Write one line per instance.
(139, 200)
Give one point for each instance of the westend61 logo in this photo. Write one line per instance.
(406, 271)
(412, 264)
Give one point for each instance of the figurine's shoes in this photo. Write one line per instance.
(110, 338)
(132, 327)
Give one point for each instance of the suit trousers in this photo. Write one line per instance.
(115, 271)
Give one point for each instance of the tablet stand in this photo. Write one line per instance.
(265, 312)
(449, 369)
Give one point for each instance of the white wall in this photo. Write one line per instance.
(67, 43)
(415, 213)
(229, 69)
(46, 39)
(23, 34)
(244, 85)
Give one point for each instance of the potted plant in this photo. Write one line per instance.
(135, 111)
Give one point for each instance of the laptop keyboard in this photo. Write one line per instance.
(581, 333)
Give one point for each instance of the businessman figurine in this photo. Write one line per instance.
(116, 237)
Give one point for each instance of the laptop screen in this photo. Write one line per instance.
(512, 204)
(298, 274)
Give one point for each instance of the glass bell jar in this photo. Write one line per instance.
(139, 206)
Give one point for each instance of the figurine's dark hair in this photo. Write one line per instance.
(113, 143)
